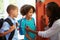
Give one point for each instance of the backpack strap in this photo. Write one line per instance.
(11, 24)
(9, 21)
(21, 31)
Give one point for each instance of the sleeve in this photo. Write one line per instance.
(34, 23)
(5, 27)
(51, 31)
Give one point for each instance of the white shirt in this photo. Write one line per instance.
(6, 27)
(53, 33)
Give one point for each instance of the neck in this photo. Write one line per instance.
(11, 16)
(28, 18)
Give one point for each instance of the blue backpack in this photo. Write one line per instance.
(20, 31)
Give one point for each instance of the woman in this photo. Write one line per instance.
(53, 12)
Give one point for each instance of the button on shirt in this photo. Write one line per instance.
(6, 27)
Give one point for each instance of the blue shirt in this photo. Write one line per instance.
(6, 27)
(30, 24)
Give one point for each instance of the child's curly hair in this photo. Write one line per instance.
(25, 9)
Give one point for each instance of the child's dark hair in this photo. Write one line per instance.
(25, 9)
(11, 7)
(55, 12)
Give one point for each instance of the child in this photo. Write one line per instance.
(27, 11)
(6, 28)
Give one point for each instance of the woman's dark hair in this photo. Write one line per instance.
(25, 9)
(55, 12)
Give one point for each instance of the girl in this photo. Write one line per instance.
(53, 12)
(28, 21)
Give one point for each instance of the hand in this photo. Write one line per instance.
(12, 27)
(27, 29)
(1, 34)
(30, 39)
(35, 38)
(16, 24)
(43, 20)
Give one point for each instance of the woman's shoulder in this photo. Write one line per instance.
(57, 22)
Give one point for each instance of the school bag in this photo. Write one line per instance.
(10, 23)
(20, 31)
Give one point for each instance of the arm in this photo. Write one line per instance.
(9, 31)
(48, 33)
(51, 31)
(3, 32)
(29, 30)
(27, 35)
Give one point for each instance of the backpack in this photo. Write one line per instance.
(20, 31)
(10, 23)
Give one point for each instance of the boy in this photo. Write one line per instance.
(6, 28)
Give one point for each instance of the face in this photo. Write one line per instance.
(29, 14)
(14, 13)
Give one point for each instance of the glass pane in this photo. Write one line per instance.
(13, 2)
(1, 8)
